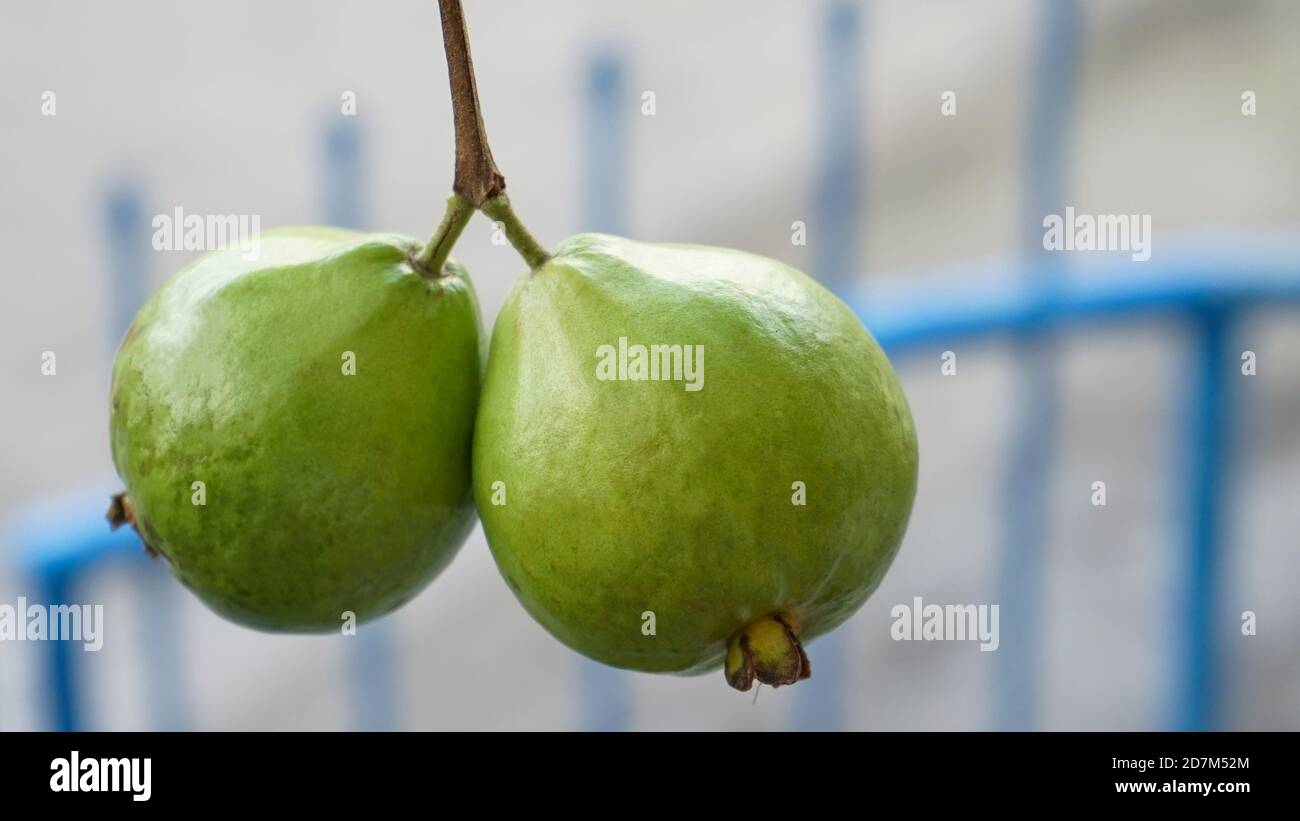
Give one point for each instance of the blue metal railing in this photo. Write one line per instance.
(834, 239)
(605, 701)
(369, 656)
(1027, 473)
(156, 593)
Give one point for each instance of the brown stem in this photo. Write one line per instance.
(478, 181)
(477, 177)
(433, 258)
(498, 209)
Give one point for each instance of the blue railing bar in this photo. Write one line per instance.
(372, 660)
(605, 693)
(60, 664)
(834, 239)
(1047, 118)
(1025, 484)
(54, 576)
(1201, 467)
(834, 235)
(604, 183)
(343, 173)
(369, 655)
(1027, 471)
(58, 542)
(156, 595)
(128, 249)
(49, 551)
(904, 319)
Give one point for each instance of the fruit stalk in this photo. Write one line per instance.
(478, 180)
(498, 209)
(431, 260)
(477, 177)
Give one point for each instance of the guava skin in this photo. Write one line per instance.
(623, 497)
(325, 492)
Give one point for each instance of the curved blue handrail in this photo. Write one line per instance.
(968, 302)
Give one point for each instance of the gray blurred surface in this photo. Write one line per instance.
(220, 109)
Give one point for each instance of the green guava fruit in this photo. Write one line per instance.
(662, 510)
(324, 395)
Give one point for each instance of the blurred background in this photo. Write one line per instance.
(1071, 368)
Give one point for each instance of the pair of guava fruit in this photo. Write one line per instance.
(332, 398)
